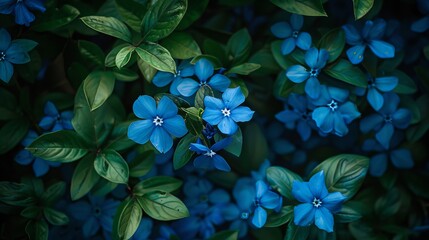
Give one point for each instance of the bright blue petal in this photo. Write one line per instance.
(161, 140)
(221, 144)
(386, 84)
(318, 186)
(227, 126)
(175, 126)
(204, 162)
(312, 87)
(140, 131)
(188, 87)
(421, 25)
(297, 73)
(212, 116)
(233, 97)
(371, 122)
(303, 214)
(324, 219)
(166, 108)
(199, 148)
(375, 99)
(296, 21)
(259, 217)
(220, 163)
(333, 201)
(312, 57)
(145, 107)
(186, 69)
(203, 69)
(24, 157)
(384, 135)
(288, 45)
(261, 188)
(382, 49)
(270, 200)
(322, 59)
(219, 82)
(301, 191)
(304, 41)
(401, 118)
(401, 158)
(6, 71)
(338, 94)
(162, 79)
(213, 103)
(355, 54)
(352, 35)
(340, 127)
(378, 165)
(241, 114)
(349, 112)
(40, 167)
(324, 119)
(4, 38)
(173, 87)
(281, 30)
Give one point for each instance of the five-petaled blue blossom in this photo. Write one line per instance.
(264, 198)
(209, 158)
(226, 112)
(371, 36)
(159, 124)
(204, 70)
(12, 52)
(387, 119)
(55, 121)
(292, 35)
(316, 61)
(21, 9)
(25, 157)
(333, 112)
(318, 204)
(375, 86)
(184, 70)
(298, 117)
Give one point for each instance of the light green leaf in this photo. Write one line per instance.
(333, 42)
(56, 18)
(156, 56)
(195, 10)
(361, 7)
(158, 183)
(55, 217)
(345, 71)
(84, 177)
(244, 69)
(109, 26)
(98, 86)
(181, 45)
(110, 60)
(110, 165)
(129, 219)
(37, 230)
(302, 7)
(61, 146)
(146, 70)
(281, 180)
(124, 56)
(163, 206)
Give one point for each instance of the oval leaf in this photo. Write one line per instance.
(345, 71)
(362, 7)
(110, 165)
(281, 180)
(129, 219)
(157, 56)
(159, 183)
(98, 86)
(333, 42)
(163, 206)
(55, 217)
(109, 26)
(84, 177)
(181, 45)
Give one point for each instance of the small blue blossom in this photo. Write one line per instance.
(316, 61)
(387, 119)
(25, 157)
(375, 86)
(371, 36)
(209, 158)
(204, 70)
(12, 52)
(292, 35)
(422, 25)
(21, 9)
(333, 112)
(318, 204)
(264, 198)
(55, 121)
(184, 70)
(209, 131)
(226, 112)
(159, 123)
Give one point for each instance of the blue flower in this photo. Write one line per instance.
(184, 70)
(292, 35)
(204, 71)
(166, 233)
(209, 131)
(371, 34)
(299, 117)
(318, 204)
(21, 9)
(95, 214)
(209, 158)
(375, 86)
(316, 61)
(12, 52)
(422, 25)
(264, 198)
(332, 112)
(387, 119)
(54, 121)
(244, 193)
(226, 112)
(25, 157)
(159, 124)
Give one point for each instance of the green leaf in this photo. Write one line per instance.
(98, 86)
(236, 145)
(344, 173)
(162, 18)
(239, 46)
(280, 218)
(37, 230)
(110, 60)
(333, 42)
(294, 232)
(225, 235)
(194, 122)
(244, 69)
(302, 7)
(283, 86)
(158, 183)
(31, 212)
(361, 7)
(61, 146)
(130, 215)
(349, 212)
(255, 148)
(119, 137)
(91, 53)
(12, 132)
(103, 187)
(124, 56)
(125, 75)
(163, 206)
(182, 154)
(406, 85)
(146, 70)
(181, 45)
(389, 204)
(202, 92)
(130, 12)
(55, 217)
(17, 194)
(53, 193)
(142, 164)
(84, 177)
(55, 19)
(156, 56)
(110, 165)
(281, 180)
(109, 26)
(345, 71)
(195, 10)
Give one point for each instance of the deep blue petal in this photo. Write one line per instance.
(218, 196)
(304, 130)
(173, 87)
(340, 127)
(140, 131)
(312, 87)
(322, 59)
(378, 165)
(355, 54)
(244, 193)
(166, 108)
(80, 210)
(233, 97)
(324, 219)
(4, 39)
(22, 15)
(386, 84)
(50, 109)
(40, 167)
(6, 71)
(324, 119)
(35, 5)
(204, 69)
(421, 25)
(318, 186)
(352, 34)
(270, 200)
(219, 82)
(199, 148)
(401, 118)
(338, 94)
(371, 122)
(161, 140)
(281, 30)
(303, 214)
(204, 162)
(377, 30)
(288, 45)
(311, 57)
(7, 7)
(90, 227)
(175, 126)
(304, 41)
(333, 201)
(382, 49)
(391, 102)
(384, 135)
(288, 116)
(188, 87)
(47, 122)
(220, 163)
(296, 21)
(221, 144)
(259, 217)
(162, 79)
(297, 73)
(401, 158)
(227, 126)
(349, 112)
(301, 191)
(145, 107)
(24, 157)
(261, 188)
(375, 99)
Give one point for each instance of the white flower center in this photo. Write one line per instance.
(2, 56)
(226, 112)
(333, 105)
(244, 215)
(317, 202)
(314, 72)
(210, 154)
(158, 121)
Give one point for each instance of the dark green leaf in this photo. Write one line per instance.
(53, 193)
(280, 218)
(84, 177)
(142, 164)
(281, 180)
(345, 71)
(202, 92)
(125, 75)
(182, 154)
(119, 137)
(406, 85)
(37, 230)
(16, 194)
(60, 146)
(109, 26)
(388, 205)
(158, 183)
(31, 212)
(302, 7)
(129, 219)
(195, 10)
(225, 235)
(110, 165)
(239, 46)
(55, 217)
(283, 86)
(194, 122)
(163, 206)
(333, 42)
(349, 212)
(162, 18)
(91, 53)
(156, 56)
(361, 7)
(147, 70)
(255, 148)
(11, 133)
(124, 56)
(294, 232)
(56, 18)
(131, 12)
(181, 45)
(103, 187)
(98, 87)
(236, 145)
(244, 69)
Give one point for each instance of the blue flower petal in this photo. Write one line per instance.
(281, 30)
(301, 191)
(303, 214)
(35, 5)
(391, 102)
(297, 73)
(47, 122)
(213, 103)
(378, 165)
(7, 6)
(259, 217)
(355, 54)
(312, 87)
(161, 140)
(384, 135)
(140, 131)
(80, 210)
(312, 57)
(401, 158)
(221, 144)
(162, 79)
(244, 193)
(40, 167)
(296, 21)
(298, 102)
(90, 227)
(378, 29)
(204, 162)
(199, 148)
(16, 55)
(382, 49)
(304, 130)
(401, 118)
(288, 45)
(227, 126)
(324, 119)
(6, 71)
(421, 25)
(219, 82)
(188, 87)
(166, 108)
(144, 229)
(145, 107)
(187, 70)
(22, 15)
(173, 87)
(324, 219)
(349, 112)
(270, 200)
(50, 109)
(261, 188)
(24, 157)
(230, 212)
(241, 114)
(352, 35)
(338, 94)
(333, 201)
(288, 116)
(371, 122)
(175, 126)
(340, 127)
(375, 99)
(318, 186)
(203, 69)
(386, 84)
(4, 39)
(304, 41)
(212, 116)
(220, 163)
(322, 59)
(233, 97)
